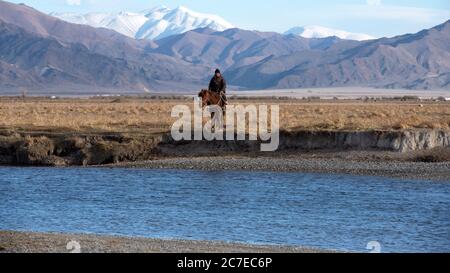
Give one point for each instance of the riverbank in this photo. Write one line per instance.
(420, 154)
(405, 137)
(31, 242)
(39, 148)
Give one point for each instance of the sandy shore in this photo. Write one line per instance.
(352, 163)
(30, 242)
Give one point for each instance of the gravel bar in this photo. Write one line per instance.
(30, 242)
(395, 169)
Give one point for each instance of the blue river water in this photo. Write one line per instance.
(339, 212)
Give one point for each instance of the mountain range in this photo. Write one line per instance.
(324, 32)
(234, 48)
(161, 22)
(412, 61)
(152, 24)
(41, 53)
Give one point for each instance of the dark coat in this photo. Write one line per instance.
(218, 84)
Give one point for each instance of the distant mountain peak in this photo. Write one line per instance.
(443, 25)
(152, 24)
(313, 31)
(183, 8)
(159, 8)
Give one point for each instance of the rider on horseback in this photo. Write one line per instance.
(218, 85)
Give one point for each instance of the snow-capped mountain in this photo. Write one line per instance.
(152, 24)
(323, 32)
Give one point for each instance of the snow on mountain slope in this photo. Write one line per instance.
(323, 32)
(152, 24)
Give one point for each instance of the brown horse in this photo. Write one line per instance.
(211, 98)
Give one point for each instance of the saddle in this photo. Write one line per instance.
(222, 96)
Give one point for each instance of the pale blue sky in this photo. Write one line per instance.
(374, 17)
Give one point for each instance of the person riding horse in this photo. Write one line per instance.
(218, 85)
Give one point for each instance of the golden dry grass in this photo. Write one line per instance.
(134, 115)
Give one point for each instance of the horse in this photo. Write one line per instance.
(210, 98)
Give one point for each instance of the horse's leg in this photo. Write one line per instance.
(222, 120)
(224, 123)
(213, 124)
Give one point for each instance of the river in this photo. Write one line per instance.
(339, 212)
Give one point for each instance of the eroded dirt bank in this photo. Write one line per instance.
(78, 149)
(47, 149)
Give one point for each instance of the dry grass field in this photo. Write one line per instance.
(153, 115)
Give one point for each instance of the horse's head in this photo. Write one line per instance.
(204, 94)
